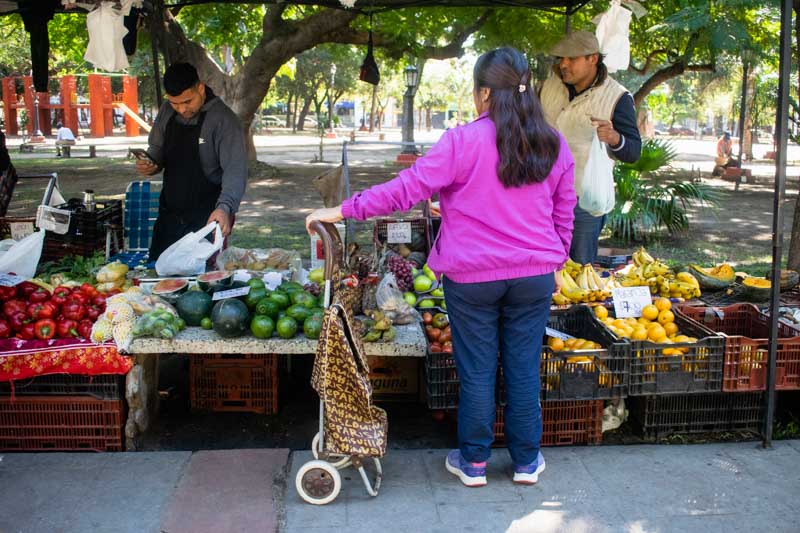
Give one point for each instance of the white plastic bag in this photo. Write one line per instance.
(23, 257)
(597, 186)
(188, 255)
(612, 34)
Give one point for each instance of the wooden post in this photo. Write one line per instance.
(96, 116)
(130, 97)
(69, 99)
(10, 105)
(108, 107)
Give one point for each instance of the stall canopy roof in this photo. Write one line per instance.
(567, 7)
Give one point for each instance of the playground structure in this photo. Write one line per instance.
(101, 104)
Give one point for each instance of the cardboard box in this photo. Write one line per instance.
(318, 250)
(394, 378)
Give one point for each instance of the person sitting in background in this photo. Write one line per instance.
(64, 137)
(724, 157)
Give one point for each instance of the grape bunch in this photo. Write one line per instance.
(312, 288)
(401, 268)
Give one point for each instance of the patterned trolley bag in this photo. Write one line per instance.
(351, 428)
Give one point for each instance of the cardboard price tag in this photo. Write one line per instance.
(550, 332)
(20, 230)
(10, 280)
(232, 293)
(629, 301)
(398, 232)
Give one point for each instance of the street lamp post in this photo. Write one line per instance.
(37, 133)
(412, 80)
(330, 99)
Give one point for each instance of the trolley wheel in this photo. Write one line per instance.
(318, 482)
(336, 461)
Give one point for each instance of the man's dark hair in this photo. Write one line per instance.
(527, 145)
(60, 125)
(179, 77)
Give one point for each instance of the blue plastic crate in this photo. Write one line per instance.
(141, 212)
(134, 259)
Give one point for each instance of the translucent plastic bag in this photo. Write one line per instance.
(612, 34)
(597, 186)
(391, 302)
(188, 255)
(23, 257)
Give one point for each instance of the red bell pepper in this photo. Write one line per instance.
(60, 295)
(99, 300)
(88, 289)
(45, 329)
(12, 307)
(8, 293)
(5, 329)
(93, 312)
(25, 289)
(66, 328)
(27, 332)
(73, 310)
(78, 296)
(85, 328)
(38, 311)
(17, 321)
(39, 295)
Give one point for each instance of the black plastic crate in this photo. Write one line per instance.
(418, 225)
(442, 381)
(662, 416)
(87, 230)
(584, 374)
(102, 387)
(696, 368)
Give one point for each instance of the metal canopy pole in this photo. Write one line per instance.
(777, 217)
(743, 105)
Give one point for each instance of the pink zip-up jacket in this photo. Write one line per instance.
(488, 232)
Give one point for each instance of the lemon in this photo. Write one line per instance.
(650, 312)
(663, 304)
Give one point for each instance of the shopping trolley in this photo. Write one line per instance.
(351, 429)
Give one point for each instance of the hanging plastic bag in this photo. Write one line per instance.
(612, 34)
(23, 257)
(597, 186)
(188, 255)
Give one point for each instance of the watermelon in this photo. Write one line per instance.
(230, 318)
(298, 312)
(171, 289)
(193, 306)
(215, 280)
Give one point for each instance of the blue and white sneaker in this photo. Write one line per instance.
(529, 474)
(470, 474)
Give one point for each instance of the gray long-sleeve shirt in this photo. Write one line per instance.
(223, 152)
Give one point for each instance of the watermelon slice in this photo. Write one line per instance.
(215, 280)
(170, 289)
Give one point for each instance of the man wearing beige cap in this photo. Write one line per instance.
(579, 99)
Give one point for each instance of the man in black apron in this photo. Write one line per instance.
(199, 143)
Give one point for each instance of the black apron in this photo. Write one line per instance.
(187, 197)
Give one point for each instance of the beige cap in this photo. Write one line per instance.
(576, 44)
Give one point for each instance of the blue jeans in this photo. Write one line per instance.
(506, 316)
(585, 236)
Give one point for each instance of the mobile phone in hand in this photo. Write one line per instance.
(141, 155)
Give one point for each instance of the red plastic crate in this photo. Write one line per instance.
(564, 423)
(746, 347)
(238, 383)
(61, 423)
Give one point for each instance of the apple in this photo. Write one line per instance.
(427, 302)
(410, 298)
(438, 292)
(422, 283)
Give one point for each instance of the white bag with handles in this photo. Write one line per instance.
(597, 186)
(188, 255)
(23, 257)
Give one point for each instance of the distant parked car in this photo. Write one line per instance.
(273, 121)
(681, 130)
(660, 131)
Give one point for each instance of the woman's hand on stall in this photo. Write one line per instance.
(559, 282)
(328, 214)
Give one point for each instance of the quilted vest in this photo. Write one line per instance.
(572, 119)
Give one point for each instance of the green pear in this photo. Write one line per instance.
(428, 272)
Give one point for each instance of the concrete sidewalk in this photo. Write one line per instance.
(636, 489)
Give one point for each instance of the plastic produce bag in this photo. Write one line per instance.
(23, 257)
(597, 187)
(391, 302)
(612, 33)
(188, 255)
(257, 260)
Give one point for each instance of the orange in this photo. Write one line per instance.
(663, 304)
(650, 312)
(600, 312)
(657, 333)
(555, 344)
(639, 334)
(642, 320)
(666, 316)
(671, 328)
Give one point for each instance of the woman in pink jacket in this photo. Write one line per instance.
(505, 184)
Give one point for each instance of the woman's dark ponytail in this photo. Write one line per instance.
(527, 145)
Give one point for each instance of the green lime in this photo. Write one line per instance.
(205, 323)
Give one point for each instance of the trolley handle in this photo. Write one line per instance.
(331, 244)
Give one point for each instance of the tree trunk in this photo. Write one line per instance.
(289, 111)
(793, 259)
(748, 117)
(373, 108)
(301, 119)
(428, 118)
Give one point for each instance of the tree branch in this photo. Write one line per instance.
(648, 62)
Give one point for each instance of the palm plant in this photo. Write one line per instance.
(648, 200)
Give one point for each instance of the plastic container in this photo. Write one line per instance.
(661, 416)
(746, 341)
(564, 423)
(61, 423)
(380, 230)
(87, 230)
(103, 387)
(238, 383)
(442, 381)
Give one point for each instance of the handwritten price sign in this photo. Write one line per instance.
(398, 232)
(629, 301)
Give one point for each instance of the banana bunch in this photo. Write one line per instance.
(587, 287)
(572, 268)
(641, 257)
(661, 280)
